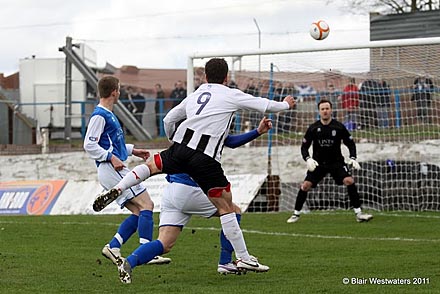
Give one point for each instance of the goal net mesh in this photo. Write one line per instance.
(391, 109)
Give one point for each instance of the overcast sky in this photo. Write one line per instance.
(162, 34)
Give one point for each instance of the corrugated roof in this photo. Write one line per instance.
(420, 24)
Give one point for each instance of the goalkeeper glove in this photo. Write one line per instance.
(311, 164)
(353, 163)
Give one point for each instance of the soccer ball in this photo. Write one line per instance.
(319, 30)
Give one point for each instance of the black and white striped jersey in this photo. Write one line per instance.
(207, 115)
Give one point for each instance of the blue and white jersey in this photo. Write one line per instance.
(105, 137)
(184, 179)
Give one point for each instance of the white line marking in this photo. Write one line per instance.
(323, 236)
(318, 236)
(376, 213)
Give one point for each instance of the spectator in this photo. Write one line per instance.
(252, 89)
(370, 97)
(332, 95)
(252, 117)
(139, 105)
(178, 94)
(197, 83)
(123, 97)
(423, 87)
(350, 104)
(232, 84)
(383, 104)
(278, 91)
(286, 119)
(159, 108)
(129, 102)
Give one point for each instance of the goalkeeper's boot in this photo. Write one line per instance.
(363, 217)
(229, 268)
(111, 253)
(159, 260)
(293, 219)
(251, 265)
(124, 270)
(105, 199)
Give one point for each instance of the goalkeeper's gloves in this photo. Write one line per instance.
(311, 164)
(353, 163)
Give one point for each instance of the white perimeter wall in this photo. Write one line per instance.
(245, 167)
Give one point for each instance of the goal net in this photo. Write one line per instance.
(386, 94)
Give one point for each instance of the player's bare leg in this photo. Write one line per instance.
(168, 236)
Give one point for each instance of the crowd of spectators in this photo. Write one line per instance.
(363, 105)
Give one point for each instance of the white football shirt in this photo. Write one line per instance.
(208, 114)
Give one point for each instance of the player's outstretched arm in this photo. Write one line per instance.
(290, 100)
(275, 106)
(234, 141)
(264, 126)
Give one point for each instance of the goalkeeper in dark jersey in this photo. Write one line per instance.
(326, 136)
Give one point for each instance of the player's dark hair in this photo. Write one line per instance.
(216, 70)
(325, 101)
(107, 85)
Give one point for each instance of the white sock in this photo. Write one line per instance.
(233, 233)
(136, 176)
(143, 241)
(296, 212)
(119, 238)
(357, 210)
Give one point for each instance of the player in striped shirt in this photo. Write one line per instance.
(197, 146)
(182, 198)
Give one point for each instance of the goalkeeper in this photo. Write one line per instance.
(326, 135)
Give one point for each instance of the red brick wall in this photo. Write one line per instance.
(10, 82)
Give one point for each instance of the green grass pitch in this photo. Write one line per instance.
(61, 254)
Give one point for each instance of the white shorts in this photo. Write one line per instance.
(180, 202)
(108, 178)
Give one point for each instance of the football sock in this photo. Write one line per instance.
(234, 234)
(134, 177)
(145, 226)
(127, 228)
(354, 196)
(226, 246)
(296, 212)
(300, 200)
(357, 210)
(145, 252)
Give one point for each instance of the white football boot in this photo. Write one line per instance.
(293, 219)
(363, 217)
(111, 253)
(252, 265)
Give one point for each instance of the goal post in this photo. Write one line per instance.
(392, 110)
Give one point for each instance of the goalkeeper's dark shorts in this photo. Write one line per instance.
(338, 171)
